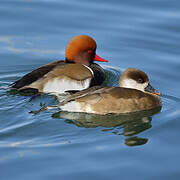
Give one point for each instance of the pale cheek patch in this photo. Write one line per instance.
(61, 85)
(130, 83)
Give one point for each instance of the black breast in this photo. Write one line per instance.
(99, 75)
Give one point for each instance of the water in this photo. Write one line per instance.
(142, 34)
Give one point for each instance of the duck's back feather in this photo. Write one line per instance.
(36, 74)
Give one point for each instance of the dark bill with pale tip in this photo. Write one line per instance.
(150, 89)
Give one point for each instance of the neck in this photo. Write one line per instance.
(68, 61)
(78, 61)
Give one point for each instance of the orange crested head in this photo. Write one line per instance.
(82, 50)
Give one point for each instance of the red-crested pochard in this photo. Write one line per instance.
(133, 94)
(77, 72)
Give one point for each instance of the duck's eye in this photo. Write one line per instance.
(140, 80)
(90, 51)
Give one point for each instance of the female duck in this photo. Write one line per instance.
(134, 94)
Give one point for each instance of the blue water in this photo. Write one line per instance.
(142, 34)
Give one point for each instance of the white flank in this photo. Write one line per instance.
(71, 107)
(61, 85)
(74, 106)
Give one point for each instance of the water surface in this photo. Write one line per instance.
(142, 34)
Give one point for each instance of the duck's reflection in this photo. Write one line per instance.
(132, 124)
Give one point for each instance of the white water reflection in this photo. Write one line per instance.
(20, 45)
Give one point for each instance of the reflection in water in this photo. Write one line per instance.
(135, 141)
(10, 44)
(132, 124)
(176, 99)
(112, 75)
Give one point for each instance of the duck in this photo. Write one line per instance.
(77, 72)
(134, 94)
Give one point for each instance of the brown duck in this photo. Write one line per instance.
(133, 94)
